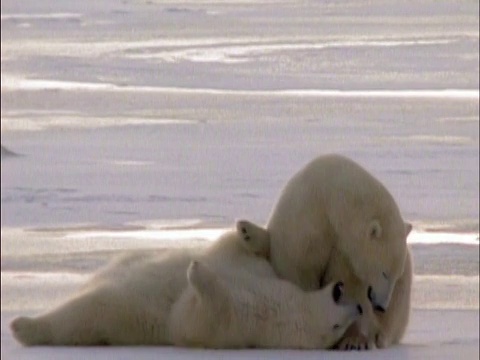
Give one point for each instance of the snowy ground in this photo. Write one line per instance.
(140, 124)
(434, 335)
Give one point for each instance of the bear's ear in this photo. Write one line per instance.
(208, 287)
(408, 228)
(375, 230)
(200, 278)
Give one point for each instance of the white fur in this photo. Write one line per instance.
(334, 221)
(127, 303)
(130, 302)
(228, 310)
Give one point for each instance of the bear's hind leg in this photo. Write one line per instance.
(76, 322)
(31, 331)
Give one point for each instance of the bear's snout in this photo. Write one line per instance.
(337, 291)
(371, 297)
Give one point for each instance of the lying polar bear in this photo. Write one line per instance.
(219, 311)
(232, 299)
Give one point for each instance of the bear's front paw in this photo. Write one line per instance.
(381, 341)
(353, 339)
(358, 342)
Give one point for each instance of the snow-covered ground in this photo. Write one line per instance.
(133, 124)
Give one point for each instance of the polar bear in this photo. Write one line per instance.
(143, 298)
(334, 221)
(223, 310)
(130, 301)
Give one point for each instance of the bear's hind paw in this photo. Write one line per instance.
(29, 331)
(243, 227)
(255, 238)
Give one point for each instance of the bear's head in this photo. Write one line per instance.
(378, 257)
(336, 313)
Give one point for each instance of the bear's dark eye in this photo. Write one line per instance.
(336, 326)
(385, 275)
(337, 291)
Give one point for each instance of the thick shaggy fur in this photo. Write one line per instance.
(334, 221)
(232, 311)
(232, 298)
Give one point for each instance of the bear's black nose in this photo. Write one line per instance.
(359, 309)
(337, 291)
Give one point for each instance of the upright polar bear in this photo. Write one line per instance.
(334, 221)
(232, 299)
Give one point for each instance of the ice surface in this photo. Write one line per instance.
(434, 335)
